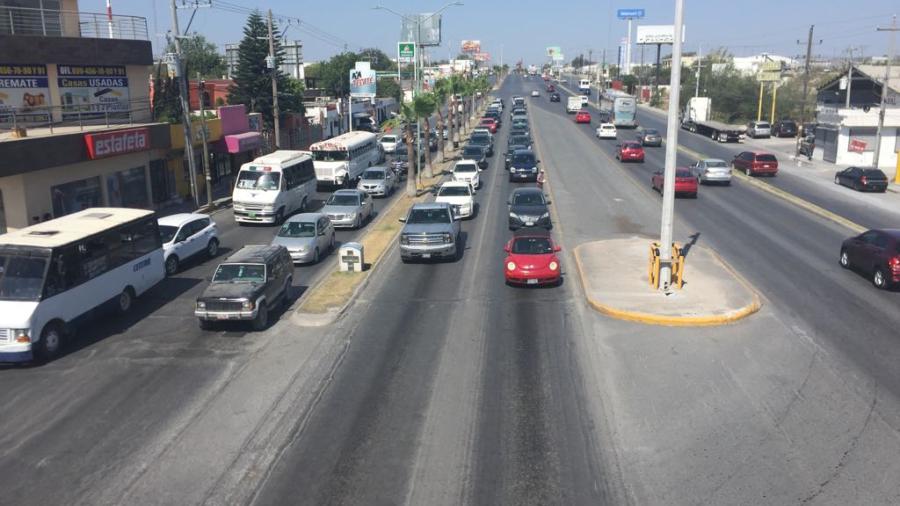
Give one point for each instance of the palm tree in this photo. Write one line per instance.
(441, 91)
(405, 119)
(456, 90)
(424, 105)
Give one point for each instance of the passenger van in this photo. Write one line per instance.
(584, 86)
(55, 273)
(274, 186)
(340, 161)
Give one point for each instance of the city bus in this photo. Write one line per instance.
(340, 161)
(53, 275)
(624, 109)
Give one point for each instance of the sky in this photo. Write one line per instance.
(522, 29)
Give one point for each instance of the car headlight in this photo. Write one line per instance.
(545, 215)
(351, 216)
(511, 266)
(21, 335)
(201, 304)
(514, 216)
(248, 305)
(448, 238)
(554, 266)
(404, 239)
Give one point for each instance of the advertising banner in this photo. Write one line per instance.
(406, 51)
(362, 82)
(470, 46)
(857, 145)
(555, 53)
(429, 28)
(91, 90)
(23, 88)
(482, 57)
(657, 34)
(630, 13)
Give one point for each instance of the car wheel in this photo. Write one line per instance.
(286, 294)
(837, 180)
(845, 259)
(262, 318)
(171, 265)
(52, 340)
(331, 244)
(303, 205)
(125, 300)
(878, 279)
(358, 223)
(279, 217)
(315, 259)
(212, 249)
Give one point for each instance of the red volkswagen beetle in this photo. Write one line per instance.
(531, 259)
(582, 116)
(489, 123)
(630, 152)
(685, 182)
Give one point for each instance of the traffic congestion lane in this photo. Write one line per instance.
(784, 396)
(452, 384)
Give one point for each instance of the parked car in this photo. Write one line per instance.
(531, 259)
(755, 163)
(875, 253)
(485, 141)
(807, 146)
(535, 93)
(784, 128)
(685, 182)
(712, 170)
(512, 148)
(306, 236)
(461, 197)
(523, 166)
(862, 179)
(430, 231)
(630, 151)
(528, 208)
(606, 131)
(246, 286)
(756, 129)
(583, 116)
(378, 181)
(554, 97)
(185, 235)
(349, 208)
(476, 154)
(467, 171)
(391, 143)
(649, 137)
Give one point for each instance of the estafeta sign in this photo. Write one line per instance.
(103, 145)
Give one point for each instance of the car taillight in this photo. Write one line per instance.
(894, 263)
(863, 180)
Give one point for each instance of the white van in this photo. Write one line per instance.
(584, 86)
(340, 161)
(273, 187)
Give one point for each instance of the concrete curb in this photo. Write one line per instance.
(675, 321)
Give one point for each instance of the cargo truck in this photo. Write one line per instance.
(695, 118)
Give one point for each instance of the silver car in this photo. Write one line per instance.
(349, 208)
(306, 236)
(378, 181)
(712, 170)
(757, 129)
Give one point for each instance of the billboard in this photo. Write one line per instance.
(554, 52)
(406, 52)
(92, 89)
(362, 81)
(429, 26)
(657, 34)
(470, 46)
(630, 13)
(23, 88)
(482, 57)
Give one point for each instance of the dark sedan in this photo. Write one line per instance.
(875, 253)
(554, 97)
(528, 208)
(862, 179)
(649, 137)
(476, 153)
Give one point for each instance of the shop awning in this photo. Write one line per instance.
(238, 143)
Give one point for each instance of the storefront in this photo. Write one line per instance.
(240, 143)
(178, 163)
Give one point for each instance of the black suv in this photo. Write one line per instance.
(246, 286)
(784, 128)
(523, 166)
(476, 153)
(484, 140)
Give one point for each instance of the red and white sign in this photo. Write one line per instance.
(103, 145)
(857, 145)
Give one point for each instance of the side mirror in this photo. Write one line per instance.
(547, 202)
(506, 248)
(557, 249)
(402, 220)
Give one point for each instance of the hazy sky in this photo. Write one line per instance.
(522, 29)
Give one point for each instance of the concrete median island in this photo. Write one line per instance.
(614, 275)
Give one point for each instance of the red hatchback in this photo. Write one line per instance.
(755, 163)
(489, 123)
(875, 253)
(583, 117)
(685, 182)
(630, 152)
(531, 259)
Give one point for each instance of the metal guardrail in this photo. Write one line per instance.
(54, 117)
(56, 23)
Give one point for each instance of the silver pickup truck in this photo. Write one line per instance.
(431, 231)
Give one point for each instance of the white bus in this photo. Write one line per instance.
(584, 86)
(341, 160)
(54, 274)
(274, 186)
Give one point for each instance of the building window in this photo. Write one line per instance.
(2, 215)
(128, 188)
(73, 197)
(162, 182)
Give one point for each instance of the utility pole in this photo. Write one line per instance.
(803, 133)
(209, 194)
(668, 207)
(276, 113)
(185, 106)
(699, 65)
(884, 90)
(849, 77)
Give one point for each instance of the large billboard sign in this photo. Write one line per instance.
(362, 81)
(429, 28)
(470, 46)
(657, 34)
(555, 53)
(23, 88)
(92, 89)
(482, 57)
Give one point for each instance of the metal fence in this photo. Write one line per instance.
(56, 23)
(44, 120)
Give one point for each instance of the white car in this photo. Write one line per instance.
(606, 131)
(467, 171)
(535, 93)
(460, 196)
(390, 143)
(185, 235)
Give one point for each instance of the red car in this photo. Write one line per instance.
(755, 163)
(489, 123)
(875, 253)
(583, 117)
(551, 88)
(630, 152)
(531, 259)
(685, 182)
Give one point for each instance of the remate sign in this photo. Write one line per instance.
(108, 144)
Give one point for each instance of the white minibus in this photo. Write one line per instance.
(274, 186)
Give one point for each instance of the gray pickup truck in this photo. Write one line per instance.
(431, 231)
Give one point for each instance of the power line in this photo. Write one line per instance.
(288, 21)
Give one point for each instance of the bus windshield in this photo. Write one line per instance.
(21, 276)
(329, 156)
(255, 180)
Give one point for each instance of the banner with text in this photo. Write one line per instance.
(470, 46)
(23, 88)
(91, 90)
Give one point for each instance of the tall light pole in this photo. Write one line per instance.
(884, 90)
(668, 207)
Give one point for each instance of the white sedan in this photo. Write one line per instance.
(467, 171)
(460, 196)
(606, 131)
(535, 93)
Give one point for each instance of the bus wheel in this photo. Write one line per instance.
(51, 341)
(124, 300)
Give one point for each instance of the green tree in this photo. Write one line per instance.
(441, 92)
(406, 120)
(166, 100)
(201, 55)
(378, 59)
(424, 105)
(334, 74)
(389, 87)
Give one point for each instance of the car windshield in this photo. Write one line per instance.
(716, 163)
(402, 156)
(454, 191)
(167, 233)
(766, 158)
(373, 174)
(21, 276)
(298, 229)
(465, 168)
(650, 131)
(480, 139)
(240, 273)
(426, 216)
(519, 139)
(528, 199)
(342, 200)
(523, 159)
(532, 246)
(389, 138)
(683, 173)
(329, 156)
(256, 180)
(473, 152)
(631, 145)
